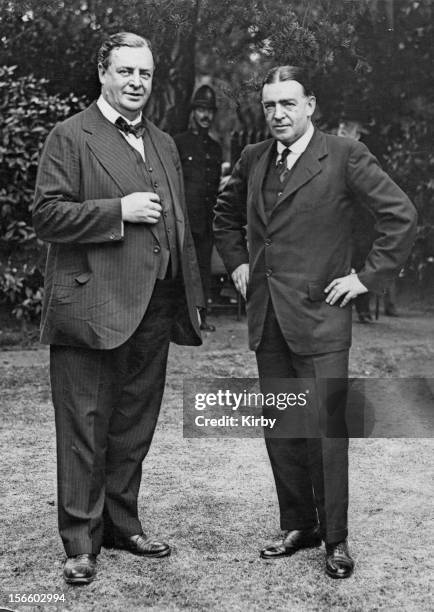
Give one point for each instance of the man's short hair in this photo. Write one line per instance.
(290, 73)
(121, 39)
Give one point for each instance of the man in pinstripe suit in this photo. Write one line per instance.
(121, 283)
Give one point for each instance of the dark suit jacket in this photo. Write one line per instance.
(99, 282)
(306, 242)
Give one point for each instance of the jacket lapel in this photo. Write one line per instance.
(306, 167)
(107, 143)
(259, 173)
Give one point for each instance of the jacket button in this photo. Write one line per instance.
(269, 272)
(279, 194)
(112, 236)
(150, 170)
(157, 249)
(156, 185)
(267, 242)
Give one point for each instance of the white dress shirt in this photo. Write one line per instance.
(296, 149)
(111, 115)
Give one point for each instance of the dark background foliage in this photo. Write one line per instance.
(372, 61)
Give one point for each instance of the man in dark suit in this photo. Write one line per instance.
(121, 282)
(201, 159)
(297, 193)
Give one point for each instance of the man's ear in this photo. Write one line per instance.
(311, 103)
(101, 73)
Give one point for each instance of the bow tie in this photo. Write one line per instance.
(137, 130)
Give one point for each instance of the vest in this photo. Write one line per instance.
(154, 179)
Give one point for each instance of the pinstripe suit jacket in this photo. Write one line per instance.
(99, 281)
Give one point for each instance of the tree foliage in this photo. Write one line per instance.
(27, 114)
(372, 61)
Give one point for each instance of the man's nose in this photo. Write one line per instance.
(135, 79)
(278, 111)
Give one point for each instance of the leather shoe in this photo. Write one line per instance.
(293, 540)
(80, 569)
(339, 563)
(365, 317)
(144, 546)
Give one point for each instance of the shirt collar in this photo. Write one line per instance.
(111, 114)
(299, 146)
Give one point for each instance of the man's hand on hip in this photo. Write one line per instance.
(141, 207)
(240, 276)
(348, 286)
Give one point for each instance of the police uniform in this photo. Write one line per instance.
(201, 158)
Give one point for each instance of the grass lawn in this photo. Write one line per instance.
(214, 501)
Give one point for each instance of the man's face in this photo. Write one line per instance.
(127, 81)
(203, 117)
(287, 110)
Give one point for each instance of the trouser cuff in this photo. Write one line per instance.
(333, 537)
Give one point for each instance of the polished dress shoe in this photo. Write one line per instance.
(144, 546)
(339, 563)
(80, 569)
(294, 540)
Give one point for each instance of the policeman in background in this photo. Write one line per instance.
(201, 158)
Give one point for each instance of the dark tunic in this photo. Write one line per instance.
(201, 158)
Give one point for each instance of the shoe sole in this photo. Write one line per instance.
(338, 576)
(79, 580)
(158, 555)
(163, 553)
(315, 544)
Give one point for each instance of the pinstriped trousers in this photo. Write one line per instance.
(106, 406)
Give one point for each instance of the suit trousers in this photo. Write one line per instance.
(203, 245)
(106, 406)
(311, 474)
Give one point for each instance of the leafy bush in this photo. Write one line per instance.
(22, 291)
(27, 114)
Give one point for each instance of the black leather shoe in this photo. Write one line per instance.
(146, 547)
(294, 540)
(339, 563)
(80, 569)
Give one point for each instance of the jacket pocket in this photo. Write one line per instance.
(82, 278)
(316, 292)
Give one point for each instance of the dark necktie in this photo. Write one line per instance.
(137, 130)
(282, 168)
